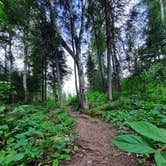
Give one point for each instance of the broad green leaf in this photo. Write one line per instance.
(2, 109)
(149, 130)
(55, 163)
(160, 160)
(2, 156)
(9, 159)
(21, 142)
(4, 127)
(132, 143)
(65, 157)
(18, 156)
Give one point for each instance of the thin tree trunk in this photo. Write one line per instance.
(162, 10)
(76, 56)
(83, 97)
(82, 94)
(101, 73)
(53, 21)
(59, 85)
(117, 68)
(45, 79)
(10, 58)
(6, 61)
(42, 81)
(73, 47)
(107, 21)
(76, 82)
(26, 93)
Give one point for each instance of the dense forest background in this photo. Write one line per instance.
(119, 52)
(122, 38)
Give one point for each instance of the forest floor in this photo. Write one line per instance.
(95, 146)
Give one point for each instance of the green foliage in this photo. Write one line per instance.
(6, 91)
(124, 110)
(151, 141)
(96, 98)
(73, 101)
(30, 134)
(150, 85)
(150, 131)
(2, 14)
(132, 143)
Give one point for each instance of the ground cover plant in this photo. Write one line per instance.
(31, 134)
(152, 140)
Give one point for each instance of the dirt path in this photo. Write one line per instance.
(95, 146)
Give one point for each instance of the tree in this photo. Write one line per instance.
(108, 36)
(77, 54)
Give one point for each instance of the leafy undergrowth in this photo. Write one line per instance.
(94, 98)
(31, 134)
(124, 112)
(149, 140)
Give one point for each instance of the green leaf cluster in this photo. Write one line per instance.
(152, 140)
(32, 134)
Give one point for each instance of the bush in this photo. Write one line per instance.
(6, 91)
(150, 85)
(73, 101)
(96, 98)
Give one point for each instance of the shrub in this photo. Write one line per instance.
(6, 91)
(73, 101)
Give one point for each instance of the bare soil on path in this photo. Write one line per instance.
(95, 145)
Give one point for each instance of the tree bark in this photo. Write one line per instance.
(6, 61)
(56, 33)
(101, 72)
(76, 82)
(45, 80)
(83, 97)
(10, 57)
(76, 56)
(59, 85)
(116, 68)
(26, 93)
(162, 10)
(42, 90)
(108, 36)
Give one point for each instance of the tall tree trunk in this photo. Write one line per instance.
(45, 79)
(162, 10)
(75, 66)
(108, 36)
(116, 64)
(76, 56)
(116, 68)
(78, 39)
(42, 83)
(54, 24)
(54, 83)
(26, 93)
(10, 57)
(83, 97)
(59, 85)
(6, 61)
(101, 72)
(76, 82)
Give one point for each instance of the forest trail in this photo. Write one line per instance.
(95, 146)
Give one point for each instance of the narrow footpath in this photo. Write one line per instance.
(95, 146)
